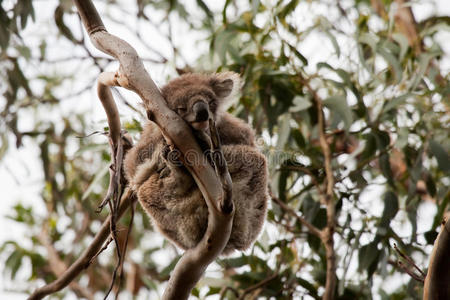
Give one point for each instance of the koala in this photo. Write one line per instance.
(165, 188)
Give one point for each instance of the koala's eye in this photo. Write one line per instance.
(181, 110)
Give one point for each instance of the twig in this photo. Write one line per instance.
(405, 269)
(410, 261)
(224, 290)
(313, 229)
(105, 246)
(307, 172)
(257, 285)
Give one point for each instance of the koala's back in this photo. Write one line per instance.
(234, 131)
(151, 139)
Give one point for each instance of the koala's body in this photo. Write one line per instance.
(166, 189)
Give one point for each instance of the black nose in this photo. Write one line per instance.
(200, 109)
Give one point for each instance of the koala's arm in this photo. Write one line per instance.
(248, 170)
(234, 131)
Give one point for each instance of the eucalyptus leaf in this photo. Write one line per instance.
(98, 176)
(300, 103)
(338, 105)
(441, 156)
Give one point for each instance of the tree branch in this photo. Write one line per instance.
(438, 276)
(85, 259)
(257, 285)
(58, 266)
(328, 199)
(312, 229)
(216, 193)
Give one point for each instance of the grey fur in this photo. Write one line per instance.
(166, 189)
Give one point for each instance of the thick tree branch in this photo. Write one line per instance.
(438, 276)
(214, 187)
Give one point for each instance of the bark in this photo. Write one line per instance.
(437, 281)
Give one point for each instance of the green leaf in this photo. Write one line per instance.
(424, 61)
(395, 102)
(4, 144)
(4, 29)
(402, 40)
(392, 61)
(338, 104)
(300, 56)
(441, 155)
(98, 176)
(308, 286)
(390, 209)
(24, 51)
(235, 262)
(369, 39)
(221, 44)
(166, 271)
(300, 103)
(430, 236)
(286, 10)
(334, 42)
(195, 292)
(385, 167)
(14, 262)
(366, 256)
(310, 208)
(205, 9)
(213, 290)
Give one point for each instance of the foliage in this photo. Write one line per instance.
(386, 107)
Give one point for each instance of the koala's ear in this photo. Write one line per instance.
(225, 85)
(222, 89)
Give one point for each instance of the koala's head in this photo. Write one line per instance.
(200, 97)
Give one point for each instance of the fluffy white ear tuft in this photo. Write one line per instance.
(226, 86)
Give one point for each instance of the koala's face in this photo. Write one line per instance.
(197, 98)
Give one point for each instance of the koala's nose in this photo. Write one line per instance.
(200, 109)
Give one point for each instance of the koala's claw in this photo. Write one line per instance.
(171, 156)
(163, 172)
(165, 151)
